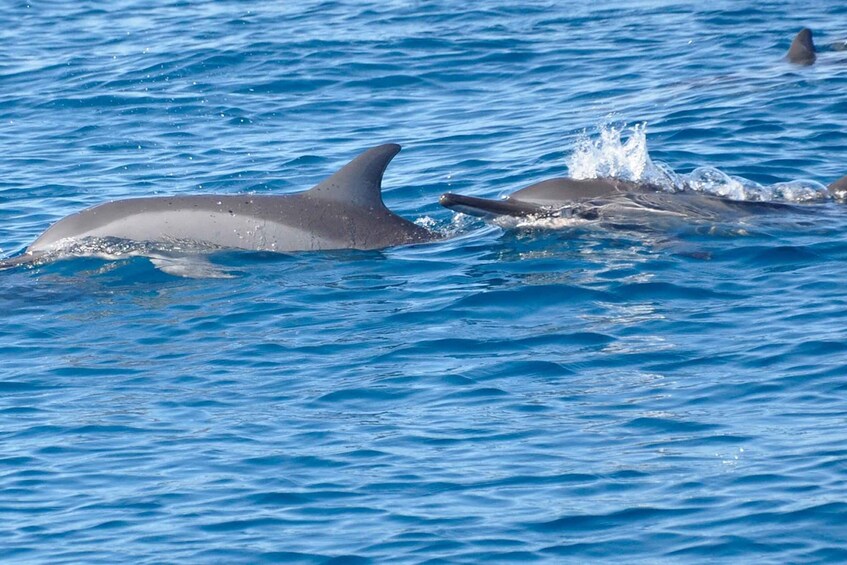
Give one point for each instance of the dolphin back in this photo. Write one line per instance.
(358, 185)
(562, 191)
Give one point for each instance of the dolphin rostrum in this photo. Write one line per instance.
(345, 211)
(802, 50)
(602, 197)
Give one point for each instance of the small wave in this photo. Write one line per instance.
(457, 225)
(710, 180)
(622, 152)
(556, 222)
(113, 248)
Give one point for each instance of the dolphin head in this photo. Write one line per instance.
(542, 199)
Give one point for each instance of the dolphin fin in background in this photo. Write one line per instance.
(802, 50)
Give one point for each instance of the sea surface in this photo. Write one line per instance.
(652, 391)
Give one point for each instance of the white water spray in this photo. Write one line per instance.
(621, 152)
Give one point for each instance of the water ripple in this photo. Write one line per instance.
(634, 390)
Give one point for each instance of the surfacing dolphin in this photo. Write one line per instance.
(611, 198)
(345, 211)
(802, 50)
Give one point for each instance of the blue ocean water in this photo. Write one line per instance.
(579, 393)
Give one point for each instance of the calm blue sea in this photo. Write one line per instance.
(588, 393)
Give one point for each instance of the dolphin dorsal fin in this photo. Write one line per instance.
(838, 189)
(360, 181)
(802, 50)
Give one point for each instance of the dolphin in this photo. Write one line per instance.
(609, 197)
(544, 199)
(802, 50)
(345, 211)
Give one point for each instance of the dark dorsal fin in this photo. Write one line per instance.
(838, 189)
(359, 182)
(802, 50)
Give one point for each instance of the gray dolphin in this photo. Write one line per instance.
(802, 50)
(609, 197)
(345, 211)
(546, 198)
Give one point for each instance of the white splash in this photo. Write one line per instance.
(427, 222)
(714, 181)
(610, 156)
(459, 223)
(621, 152)
(546, 222)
